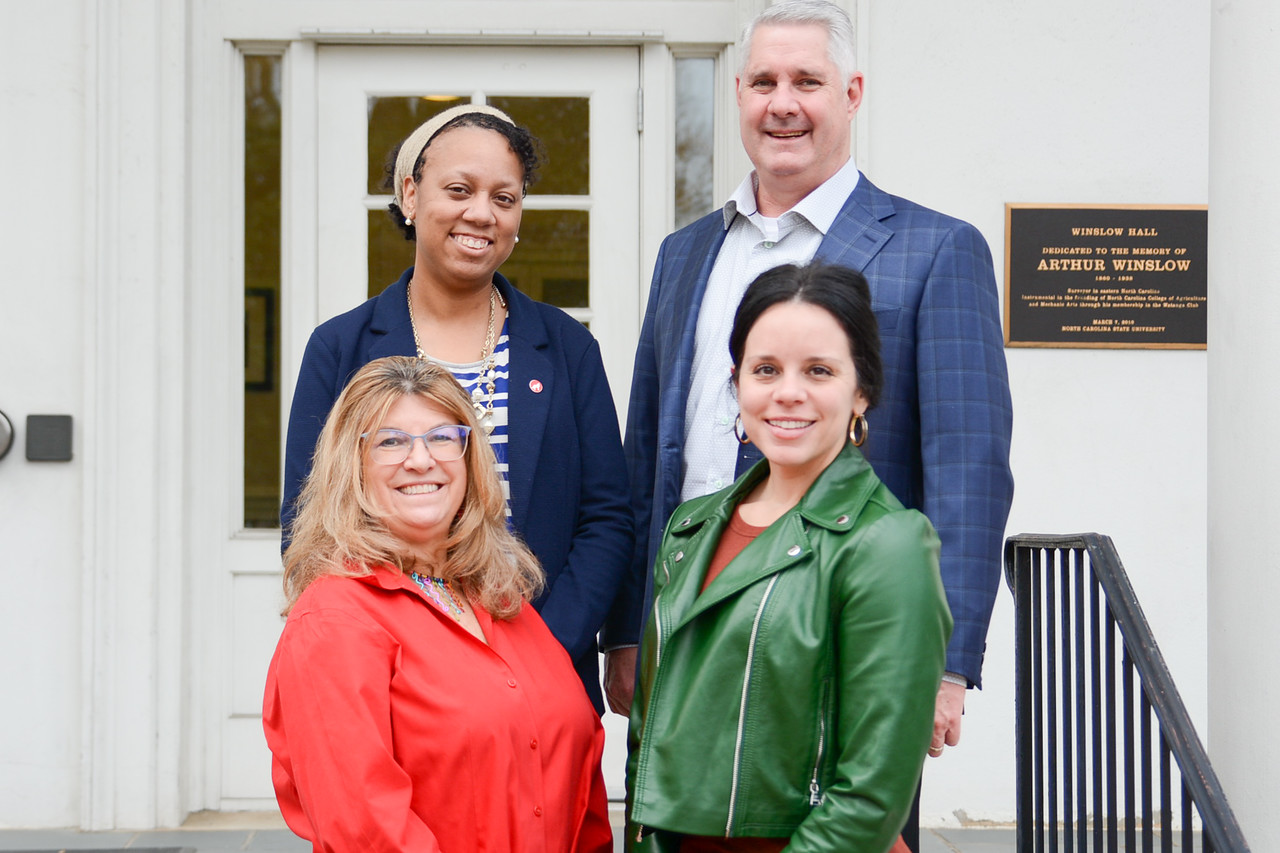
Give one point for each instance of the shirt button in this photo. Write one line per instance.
(769, 244)
(511, 682)
(533, 744)
(719, 483)
(537, 811)
(724, 420)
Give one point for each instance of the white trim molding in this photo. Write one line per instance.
(133, 672)
(487, 37)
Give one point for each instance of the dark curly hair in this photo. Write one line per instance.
(523, 144)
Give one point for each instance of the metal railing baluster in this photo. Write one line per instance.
(1095, 627)
(1081, 679)
(1051, 680)
(1113, 796)
(1166, 793)
(1148, 830)
(1088, 735)
(1130, 799)
(1187, 820)
(1063, 577)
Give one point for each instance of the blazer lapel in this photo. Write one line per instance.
(859, 231)
(690, 283)
(527, 410)
(391, 331)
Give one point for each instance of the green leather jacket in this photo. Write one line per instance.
(795, 697)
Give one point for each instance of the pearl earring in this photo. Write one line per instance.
(408, 220)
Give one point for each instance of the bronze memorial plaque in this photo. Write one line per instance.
(1107, 276)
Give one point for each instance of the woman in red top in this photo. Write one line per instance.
(415, 700)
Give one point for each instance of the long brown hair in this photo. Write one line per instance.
(338, 529)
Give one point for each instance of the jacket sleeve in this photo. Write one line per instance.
(626, 619)
(313, 397)
(327, 717)
(966, 421)
(892, 630)
(603, 535)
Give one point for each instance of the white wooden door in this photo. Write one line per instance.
(579, 249)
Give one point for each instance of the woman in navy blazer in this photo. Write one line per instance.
(461, 201)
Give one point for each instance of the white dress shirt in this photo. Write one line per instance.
(754, 244)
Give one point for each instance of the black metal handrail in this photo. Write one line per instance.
(1078, 787)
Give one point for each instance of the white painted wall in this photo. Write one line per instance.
(1244, 408)
(968, 106)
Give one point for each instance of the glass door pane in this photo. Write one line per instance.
(262, 140)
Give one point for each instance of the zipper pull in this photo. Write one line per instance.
(639, 833)
(815, 793)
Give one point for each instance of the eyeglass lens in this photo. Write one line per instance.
(444, 443)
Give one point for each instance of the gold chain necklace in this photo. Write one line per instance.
(486, 382)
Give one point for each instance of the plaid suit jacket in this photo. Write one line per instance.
(939, 438)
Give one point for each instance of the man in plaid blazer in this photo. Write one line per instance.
(940, 437)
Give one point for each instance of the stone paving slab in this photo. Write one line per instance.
(205, 838)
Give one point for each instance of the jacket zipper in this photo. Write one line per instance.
(742, 709)
(657, 660)
(815, 792)
(657, 623)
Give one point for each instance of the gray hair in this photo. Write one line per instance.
(841, 49)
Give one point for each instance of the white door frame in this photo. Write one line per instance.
(220, 31)
(218, 544)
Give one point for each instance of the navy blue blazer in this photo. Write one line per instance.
(940, 436)
(569, 493)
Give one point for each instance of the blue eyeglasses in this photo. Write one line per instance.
(393, 446)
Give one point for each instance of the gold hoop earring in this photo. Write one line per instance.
(858, 430)
(738, 431)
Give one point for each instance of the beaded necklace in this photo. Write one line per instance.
(486, 379)
(441, 592)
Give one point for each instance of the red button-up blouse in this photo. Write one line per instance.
(393, 729)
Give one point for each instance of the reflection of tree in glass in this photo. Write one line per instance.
(391, 119)
(694, 98)
(262, 168)
(563, 125)
(262, 171)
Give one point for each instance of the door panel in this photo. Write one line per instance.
(579, 249)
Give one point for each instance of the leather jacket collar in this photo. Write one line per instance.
(833, 501)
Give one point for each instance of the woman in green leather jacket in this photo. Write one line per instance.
(793, 654)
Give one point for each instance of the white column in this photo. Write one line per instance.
(134, 292)
(1244, 412)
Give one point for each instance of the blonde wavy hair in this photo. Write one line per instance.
(338, 529)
